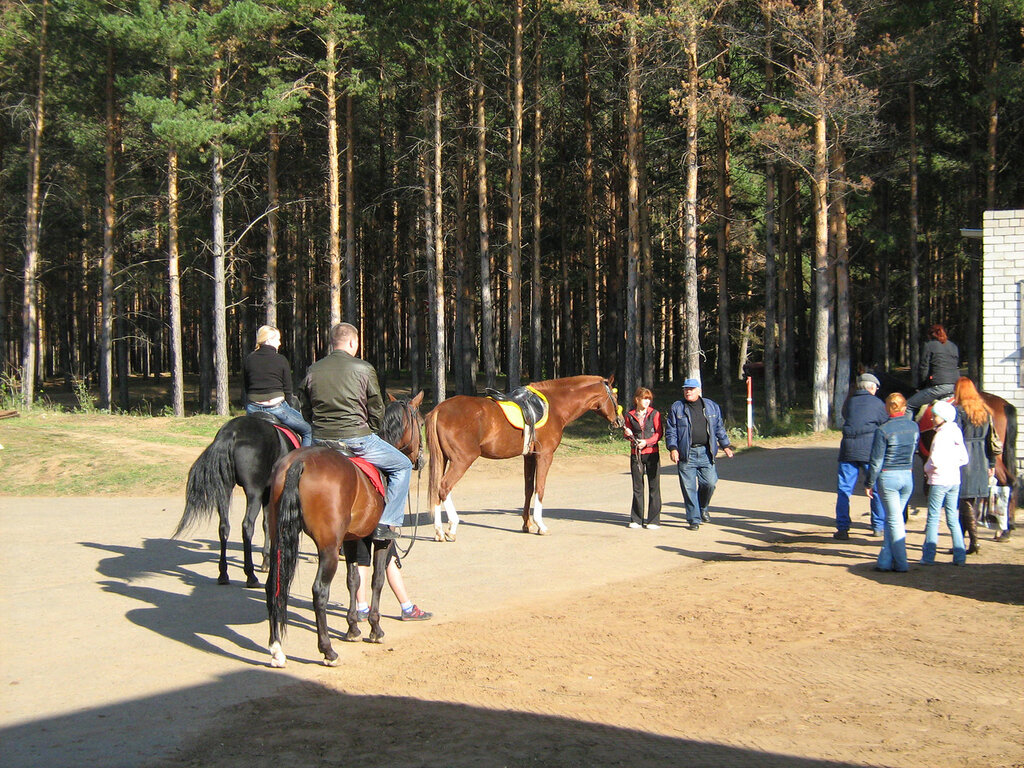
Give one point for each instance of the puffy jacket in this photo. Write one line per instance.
(893, 447)
(677, 429)
(343, 396)
(863, 413)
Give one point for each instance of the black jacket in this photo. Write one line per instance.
(940, 364)
(266, 375)
(343, 397)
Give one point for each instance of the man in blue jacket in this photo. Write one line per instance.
(694, 433)
(863, 413)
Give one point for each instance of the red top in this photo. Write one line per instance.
(649, 427)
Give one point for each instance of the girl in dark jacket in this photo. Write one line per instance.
(644, 431)
(974, 418)
(938, 371)
(267, 383)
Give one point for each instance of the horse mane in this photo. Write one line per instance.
(392, 426)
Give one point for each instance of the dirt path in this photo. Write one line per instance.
(757, 640)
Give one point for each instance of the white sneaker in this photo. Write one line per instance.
(653, 527)
(634, 525)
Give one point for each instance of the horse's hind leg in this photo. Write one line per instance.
(253, 504)
(352, 580)
(321, 595)
(380, 560)
(224, 530)
(530, 476)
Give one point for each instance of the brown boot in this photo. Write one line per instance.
(969, 524)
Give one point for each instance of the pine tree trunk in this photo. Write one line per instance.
(351, 309)
(632, 363)
(515, 278)
(30, 305)
(692, 321)
(220, 339)
(174, 280)
(724, 130)
(589, 245)
(107, 260)
(333, 185)
(819, 191)
(915, 292)
(273, 203)
(842, 252)
(440, 357)
(486, 299)
(536, 288)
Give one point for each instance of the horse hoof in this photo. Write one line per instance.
(449, 537)
(375, 640)
(223, 580)
(252, 583)
(351, 637)
(277, 657)
(543, 532)
(329, 662)
(438, 536)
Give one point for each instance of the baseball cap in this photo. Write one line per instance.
(691, 383)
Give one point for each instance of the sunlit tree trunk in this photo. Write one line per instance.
(536, 288)
(486, 299)
(692, 320)
(273, 202)
(107, 260)
(351, 309)
(515, 278)
(220, 339)
(333, 184)
(819, 191)
(30, 306)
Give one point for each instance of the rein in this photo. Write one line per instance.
(419, 485)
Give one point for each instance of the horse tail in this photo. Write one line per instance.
(436, 459)
(1010, 448)
(284, 549)
(210, 481)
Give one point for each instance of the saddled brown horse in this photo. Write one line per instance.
(462, 429)
(321, 492)
(1004, 419)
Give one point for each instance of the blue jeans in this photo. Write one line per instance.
(697, 479)
(896, 487)
(394, 464)
(943, 497)
(925, 396)
(849, 474)
(287, 416)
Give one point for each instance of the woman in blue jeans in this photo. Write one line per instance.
(267, 383)
(948, 453)
(891, 465)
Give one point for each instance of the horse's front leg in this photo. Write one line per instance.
(253, 504)
(529, 475)
(543, 464)
(380, 560)
(321, 595)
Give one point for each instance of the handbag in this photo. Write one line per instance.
(993, 439)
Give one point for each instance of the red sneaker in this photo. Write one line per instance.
(416, 614)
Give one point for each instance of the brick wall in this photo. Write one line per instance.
(1003, 306)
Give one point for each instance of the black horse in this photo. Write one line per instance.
(243, 453)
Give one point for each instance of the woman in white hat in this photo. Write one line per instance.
(942, 471)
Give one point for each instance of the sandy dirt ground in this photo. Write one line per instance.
(756, 641)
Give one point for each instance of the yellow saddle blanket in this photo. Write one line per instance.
(514, 413)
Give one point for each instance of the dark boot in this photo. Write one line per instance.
(970, 525)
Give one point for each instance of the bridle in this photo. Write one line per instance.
(616, 408)
(416, 424)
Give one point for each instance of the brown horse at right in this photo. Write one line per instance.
(322, 492)
(462, 429)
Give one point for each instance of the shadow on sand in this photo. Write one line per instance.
(311, 724)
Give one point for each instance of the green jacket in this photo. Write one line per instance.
(343, 396)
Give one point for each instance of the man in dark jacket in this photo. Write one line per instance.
(863, 413)
(347, 407)
(694, 433)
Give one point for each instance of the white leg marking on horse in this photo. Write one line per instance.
(438, 527)
(453, 518)
(538, 516)
(277, 657)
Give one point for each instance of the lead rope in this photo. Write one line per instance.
(416, 525)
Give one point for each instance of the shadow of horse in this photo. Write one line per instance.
(201, 613)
